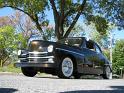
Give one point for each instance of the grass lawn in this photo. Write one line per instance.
(10, 68)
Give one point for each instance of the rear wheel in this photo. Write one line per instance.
(107, 73)
(29, 71)
(66, 68)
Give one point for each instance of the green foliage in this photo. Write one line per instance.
(10, 68)
(101, 39)
(112, 10)
(101, 24)
(78, 31)
(33, 8)
(118, 56)
(8, 43)
(49, 33)
(22, 39)
(29, 6)
(7, 37)
(106, 52)
(67, 12)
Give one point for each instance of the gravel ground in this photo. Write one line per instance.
(49, 84)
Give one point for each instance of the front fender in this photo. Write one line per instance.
(77, 57)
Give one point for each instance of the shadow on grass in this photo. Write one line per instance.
(115, 89)
(7, 90)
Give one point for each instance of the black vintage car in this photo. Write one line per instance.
(66, 58)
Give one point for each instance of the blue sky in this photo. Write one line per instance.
(6, 11)
(9, 11)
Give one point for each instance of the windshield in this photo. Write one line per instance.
(71, 41)
(35, 37)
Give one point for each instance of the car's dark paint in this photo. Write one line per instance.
(86, 61)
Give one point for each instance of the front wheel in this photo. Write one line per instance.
(107, 73)
(66, 68)
(29, 71)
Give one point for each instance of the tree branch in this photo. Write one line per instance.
(67, 13)
(17, 9)
(4, 60)
(34, 18)
(54, 8)
(62, 16)
(56, 18)
(62, 8)
(76, 18)
(39, 26)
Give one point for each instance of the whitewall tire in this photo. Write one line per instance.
(66, 68)
(107, 73)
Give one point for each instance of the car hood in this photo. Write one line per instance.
(40, 45)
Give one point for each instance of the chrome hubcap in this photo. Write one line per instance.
(108, 73)
(67, 67)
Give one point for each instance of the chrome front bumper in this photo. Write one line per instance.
(35, 59)
(26, 64)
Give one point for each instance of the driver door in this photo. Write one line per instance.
(99, 63)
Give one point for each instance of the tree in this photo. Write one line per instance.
(112, 11)
(118, 56)
(67, 12)
(5, 21)
(34, 9)
(23, 28)
(101, 39)
(23, 24)
(77, 31)
(8, 43)
(49, 32)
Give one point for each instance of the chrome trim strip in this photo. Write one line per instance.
(37, 52)
(22, 58)
(70, 51)
(24, 54)
(42, 57)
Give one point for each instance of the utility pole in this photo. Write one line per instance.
(111, 38)
(111, 45)
(121, 72)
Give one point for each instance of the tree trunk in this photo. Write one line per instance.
(59, 17)
(59, 31)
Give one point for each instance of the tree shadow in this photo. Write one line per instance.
(7, 90)
(115, 89)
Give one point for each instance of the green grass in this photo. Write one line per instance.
(10, 68)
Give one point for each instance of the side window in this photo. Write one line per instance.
(97, 49)
(90, 45)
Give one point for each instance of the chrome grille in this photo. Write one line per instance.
(38, 57)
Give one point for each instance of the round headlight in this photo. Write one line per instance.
(19, 52)
(50, 48)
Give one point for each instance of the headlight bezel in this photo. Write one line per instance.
(19, 52)
(50, 48)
